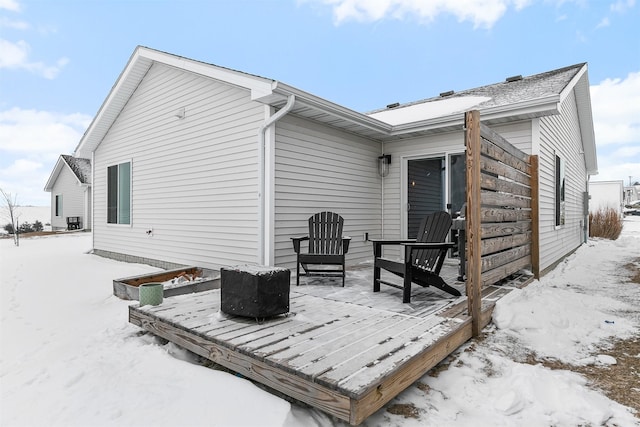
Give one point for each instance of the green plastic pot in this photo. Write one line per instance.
(151, 293)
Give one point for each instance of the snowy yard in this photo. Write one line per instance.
(69, 357)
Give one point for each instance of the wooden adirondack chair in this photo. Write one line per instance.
(327, 246)
(423, 257)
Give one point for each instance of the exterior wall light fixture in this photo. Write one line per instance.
(383, 164)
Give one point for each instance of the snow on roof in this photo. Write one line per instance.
(80, 167)
(502, 94)
(428, 110)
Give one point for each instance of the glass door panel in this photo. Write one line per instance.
(425, 193)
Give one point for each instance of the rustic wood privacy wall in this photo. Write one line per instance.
(502, 210)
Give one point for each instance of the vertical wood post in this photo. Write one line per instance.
(535, 218)
(473, 219)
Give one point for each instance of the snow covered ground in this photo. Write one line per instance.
(69, 357)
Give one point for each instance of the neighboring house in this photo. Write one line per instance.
(200, 164)
(70, 188)
(606, 195)
(631, 193)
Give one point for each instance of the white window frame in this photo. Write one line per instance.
(58, 200)
(118, 219)
(560, 190)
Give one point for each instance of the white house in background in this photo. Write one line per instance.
(70, 188)
(199, 164)
(606, 195)
(631, 193)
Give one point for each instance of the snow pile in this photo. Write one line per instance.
(429, 110)
(561, 324)
(183, 280)
(486, 389)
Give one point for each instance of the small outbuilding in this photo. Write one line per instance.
(606, 195)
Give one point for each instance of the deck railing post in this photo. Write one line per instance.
(473, 219)
(535, 218)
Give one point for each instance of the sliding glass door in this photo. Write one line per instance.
(434, 184)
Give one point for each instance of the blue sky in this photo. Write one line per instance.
(59, 59)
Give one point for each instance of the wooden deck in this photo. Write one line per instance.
(346, 351)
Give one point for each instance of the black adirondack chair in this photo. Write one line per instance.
(423, 257)
(327, 247)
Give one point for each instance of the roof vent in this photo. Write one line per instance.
(394, 105)
(448, 93)
(514, 78)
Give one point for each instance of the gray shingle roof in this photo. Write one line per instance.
(80, 167)
(505, 93)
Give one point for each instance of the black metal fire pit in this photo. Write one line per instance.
(254, 291)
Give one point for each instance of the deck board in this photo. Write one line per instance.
(341, 349)
(389, 346)
(346, 351)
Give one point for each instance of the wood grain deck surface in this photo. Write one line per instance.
(346, 341)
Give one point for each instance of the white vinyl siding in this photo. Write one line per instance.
(71, 198)
(560, 135)
(194, 179)
(318, 168)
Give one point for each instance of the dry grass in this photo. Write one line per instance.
(605, 223)
(407, 410)
(634, 268)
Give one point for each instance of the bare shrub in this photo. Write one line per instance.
(605, 223)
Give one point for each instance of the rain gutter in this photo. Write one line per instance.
(262, 240)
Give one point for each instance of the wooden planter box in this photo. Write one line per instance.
(127, 288)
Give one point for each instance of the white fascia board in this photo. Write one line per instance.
(573, 83)
(585, 117)
(60, 164)
(139, 63)
(580, 86)
(315, 102)
(531, 108)
(227, 75)
(54, 174)
(132, 74)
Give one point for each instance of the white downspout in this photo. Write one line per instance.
(92, 207)
(382, 236)
(262, 241)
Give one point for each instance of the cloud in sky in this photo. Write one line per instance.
(16, 25)
(621, 6)
(11, 5)
(35, 139)
(616, 110)
(32, 131)
(482, 13)
(15, 55)
(616, 121)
